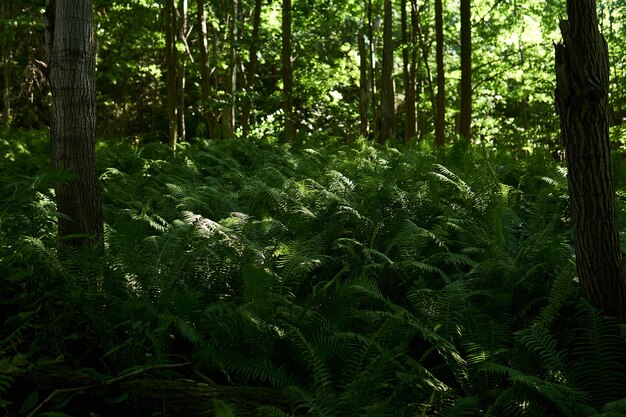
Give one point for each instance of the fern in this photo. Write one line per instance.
(598, 357)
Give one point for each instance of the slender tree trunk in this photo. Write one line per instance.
(215, 55)
(205, 75)
(425, 52)
(440, 113)
(72, 70)
(363, 87)
(252, 64)
(6, 94)
(414, 66)
(228, 113)
(7, 60)
(582, 74)
(386, 90)
(372, 27)
(408, 70)
(183, 71)
(289, 126)
(465, 125)
(170, 63)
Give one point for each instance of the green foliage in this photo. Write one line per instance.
(357, 281)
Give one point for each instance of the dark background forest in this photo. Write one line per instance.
(306, 207)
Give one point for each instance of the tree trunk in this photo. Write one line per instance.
(182, 76)
(251, 76)
(414, 66)
(363, 87)
(72, 70)
(170, 63)
(6, 94)
(582, 74)
(372, 26)
(465, 124)
(228, 113)
(408, 70)
(7, 61)
(289, 125)
(205, 75)
(425, 48)
(440, 112)
(387, 102)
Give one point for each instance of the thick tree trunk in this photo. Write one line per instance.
(287, 74)
(440, 112)
(72, 69)
(387, 102)
(205, 75)
(363, 87)
(252, 64)
(170, 63)
(582, 74)
(465, 124)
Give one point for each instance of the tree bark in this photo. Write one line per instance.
(387, 102)
(363, 87)
(205, 75)
(372, 26)
(408, 69)
(414, 66)
(425, 48)
(182, 76)
(228, 113)
(465, 124)
(170, 63)
(7, 61)
(440, 112)
(72, 70)
(252, 64)
(287, 74)
(6, 94)
(582, 75)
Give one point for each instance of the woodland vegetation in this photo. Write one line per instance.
(312, 208)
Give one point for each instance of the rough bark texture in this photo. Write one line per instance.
(252, 64)
(440, 112)
(465, 124)
(72, 69)
(170, 62)
(387, 102)
(287, 74)
(205, 75)
(582, 72)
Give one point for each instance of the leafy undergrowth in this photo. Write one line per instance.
(355, 281)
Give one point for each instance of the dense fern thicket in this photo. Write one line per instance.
(352, 281)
